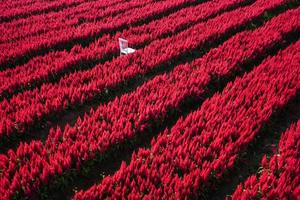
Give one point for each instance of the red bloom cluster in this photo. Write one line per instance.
(133, 16)
(41, 68)
(70, 16)
(280, 175)
(10, 9)
(35, 163)
(25, 109)
(203, 146)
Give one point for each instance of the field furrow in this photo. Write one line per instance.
(279, 175)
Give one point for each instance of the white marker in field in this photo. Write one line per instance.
(124, 49)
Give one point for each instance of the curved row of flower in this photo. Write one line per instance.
(280, 175)
(25, 109)
(69, 35)
(33, 164)
(70, 17)
(39, 70)
(19, 9)
(203, 146)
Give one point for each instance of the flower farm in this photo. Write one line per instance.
(153, 99)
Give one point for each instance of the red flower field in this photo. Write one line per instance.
(206, 106)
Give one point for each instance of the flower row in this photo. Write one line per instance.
(33, 164)
(28, 108)
(182, 161)
(279, 176)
